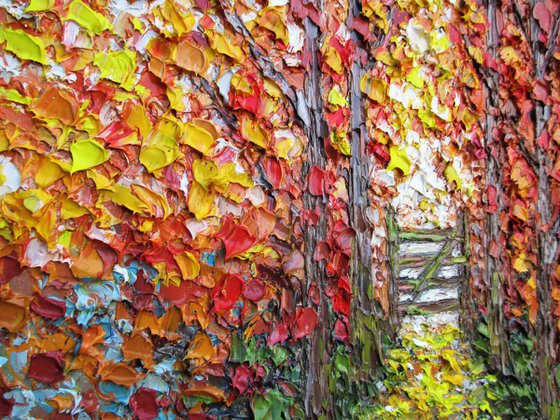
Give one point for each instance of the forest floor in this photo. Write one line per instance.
(432, 373)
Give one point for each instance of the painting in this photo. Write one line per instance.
(277, 209)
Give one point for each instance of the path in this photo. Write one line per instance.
(431, 372)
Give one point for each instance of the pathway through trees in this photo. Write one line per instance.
(431, 372)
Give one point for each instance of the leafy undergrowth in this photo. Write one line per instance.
(432, 374)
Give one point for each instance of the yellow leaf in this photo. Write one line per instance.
(230, 172)
(46, 225)
(155, 157)
(25, 46)
(87, 154)
(117, 66)
(48, 172)
(332, 58)
(100, 180)
(221, 44)
(341, 143)
(271, 19)
(521, 264)
(452, 176)
(14, 96)
(188, 264)
(70, 209)
(123, 196)
(509, 55)
(200, 201)
(138, 119)
(416, 77)
(456, 380)
(451, 357)
(198, 138)
(252, 131)
(399, 160)
(375, 89)
(161, 148)
(39, 5)
(336, 98)
(181, 22)
(87, 18)
(156, 203)
(475, 53)
(34, 199)
(205, 172)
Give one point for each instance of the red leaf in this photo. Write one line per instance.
(46, 367)
(306, 321)
(494, 249)
(343, 237)
(227, 292)
(322, 250)
(273, 171)
(9, 268)
(236, 238)
(48, 308)
(313, 293)
(5, 404)
(540, 91)
(89, 401)
(338, 118)
(144, 404)
(491, 194)
(361, 25)
(279, 334)
(316, 181)
(544, 140)
(542, 14)
(243, 378)
(340, 330)
(341, 303)
(254, 290)
(380, 151)
(454, 34)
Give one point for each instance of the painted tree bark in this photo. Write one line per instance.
(495, 269)
(548, 225)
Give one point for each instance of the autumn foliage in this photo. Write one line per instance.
(193, 198)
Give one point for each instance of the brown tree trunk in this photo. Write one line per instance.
(547, 237)
(316, 389)
(492, 239)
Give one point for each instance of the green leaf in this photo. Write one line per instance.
(261, 408)
(279, 355)
(342, 364)
(273, 405)
(238, 354)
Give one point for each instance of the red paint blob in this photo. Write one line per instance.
(144, 404)
(47, 367)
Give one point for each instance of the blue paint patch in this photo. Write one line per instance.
(209, 258)
(119, 393)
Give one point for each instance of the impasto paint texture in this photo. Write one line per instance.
(279, 209)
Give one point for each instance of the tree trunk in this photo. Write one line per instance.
(492, 239)
(316, 391)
